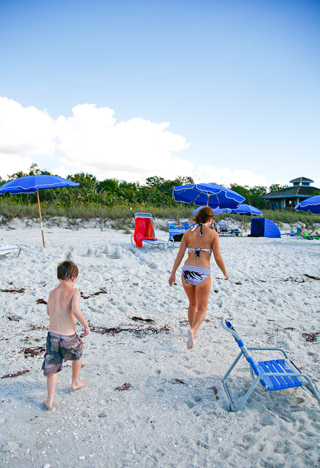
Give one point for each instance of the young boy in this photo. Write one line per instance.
(62, 341)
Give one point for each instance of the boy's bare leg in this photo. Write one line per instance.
(51, 386)
(76, 383)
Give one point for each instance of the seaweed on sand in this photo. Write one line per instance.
(101, 291)
(21, 290)
(136, 331)
(136, 319)
(33, 351)
(311, 337)
(21, 372)
(124, 387)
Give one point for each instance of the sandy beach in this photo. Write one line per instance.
(148, 401)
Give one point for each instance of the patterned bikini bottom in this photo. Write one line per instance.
(195, 275)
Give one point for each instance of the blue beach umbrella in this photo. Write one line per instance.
(211, 195)
(215, 210)
(247, 210)
(34, 183)
(311, 204)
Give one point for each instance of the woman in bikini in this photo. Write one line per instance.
(309, 233)
(200, 241)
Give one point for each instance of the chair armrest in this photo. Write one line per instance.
(267, 349)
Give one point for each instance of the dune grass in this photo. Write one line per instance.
(120, 214)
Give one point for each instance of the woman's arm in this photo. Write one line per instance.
(178, 260)
(217, 255)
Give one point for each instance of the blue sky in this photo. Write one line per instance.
(227, 92)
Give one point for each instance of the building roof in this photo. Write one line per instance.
(301, 179)
(298, 191)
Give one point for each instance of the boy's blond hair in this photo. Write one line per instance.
(67, 270)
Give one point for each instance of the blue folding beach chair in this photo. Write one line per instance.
(224, 231)
(176, 231)
(185, 223)
(276, 374)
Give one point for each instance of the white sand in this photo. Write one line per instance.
(158, 421)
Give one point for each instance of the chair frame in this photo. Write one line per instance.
(225, 231)
(306, 236)
(289, 376)
(7, 249)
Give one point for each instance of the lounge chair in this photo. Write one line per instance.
(185, 223)
(291, 234)
(276, 374)
(305, 235)
(144, 235)
(224, 231)
(6, 249)
(176, 231)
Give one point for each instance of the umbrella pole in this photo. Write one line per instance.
(38, 198)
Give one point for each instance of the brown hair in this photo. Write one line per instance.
(203, 215)
(67, 270)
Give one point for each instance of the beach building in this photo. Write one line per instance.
(287, 198)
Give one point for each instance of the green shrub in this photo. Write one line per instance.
(124, 215)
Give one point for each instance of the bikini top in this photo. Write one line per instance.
(198, 250)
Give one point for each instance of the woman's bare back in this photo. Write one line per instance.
(195, 241)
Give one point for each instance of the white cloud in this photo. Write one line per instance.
(316, 182)
(226, 176)
(92, 141)
(60, 171)
(10, 163)
(25, 131)
(88, 141)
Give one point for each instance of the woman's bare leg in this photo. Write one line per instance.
(192, 309)
(198, 302)
(202, 295)
(190, 291)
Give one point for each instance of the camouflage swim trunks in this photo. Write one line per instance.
(61, 348)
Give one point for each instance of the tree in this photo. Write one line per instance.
(33, 170)
(277, 187)
(154, 181)
(243, 190)
(87, 181)
(252, 195)
(107, 185)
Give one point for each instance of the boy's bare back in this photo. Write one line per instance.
(63, 306)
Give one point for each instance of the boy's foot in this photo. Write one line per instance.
(190, 340)
(48, 404)
(78, 385)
